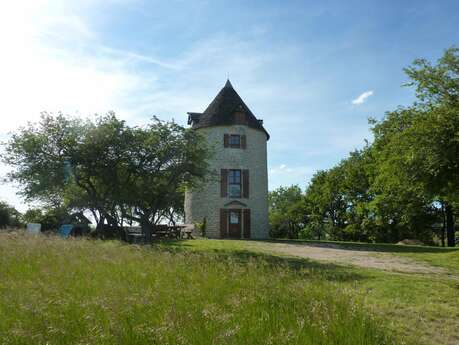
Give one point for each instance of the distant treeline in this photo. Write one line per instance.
(405, 184)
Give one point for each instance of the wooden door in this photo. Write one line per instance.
(235, 223)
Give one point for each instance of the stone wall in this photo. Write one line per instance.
(206, 202)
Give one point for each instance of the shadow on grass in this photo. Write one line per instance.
(373, 247)
(303, 266)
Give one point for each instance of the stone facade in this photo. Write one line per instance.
(206, 201)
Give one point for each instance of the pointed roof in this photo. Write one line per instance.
(221, 111)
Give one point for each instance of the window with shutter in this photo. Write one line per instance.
(235, 183)
(235, 141)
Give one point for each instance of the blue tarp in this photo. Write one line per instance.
(65, 230)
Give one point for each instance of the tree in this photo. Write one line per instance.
(9, 216)
(350, 202)
(117, 172)
(165, 158)
(286, 212)
(417, 147)
(398, 186)
(326, 199)
(38, 153)
(49, 218)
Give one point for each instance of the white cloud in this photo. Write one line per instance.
(362, 97)
(281, 169)
(283, 174)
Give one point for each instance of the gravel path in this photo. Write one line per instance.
(363, 258)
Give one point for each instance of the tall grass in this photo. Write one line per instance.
(55, 291)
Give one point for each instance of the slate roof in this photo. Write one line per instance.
(221, 111)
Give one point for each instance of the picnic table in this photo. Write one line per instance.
(173, 231)
(185, 231)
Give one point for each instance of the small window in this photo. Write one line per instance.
(235, 141)
(234, 183)
(234, 217)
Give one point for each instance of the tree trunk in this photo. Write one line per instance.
(450, 235)
(146, 230)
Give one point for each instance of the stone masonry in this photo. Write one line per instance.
(205, 201)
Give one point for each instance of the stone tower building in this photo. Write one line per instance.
(234, 202)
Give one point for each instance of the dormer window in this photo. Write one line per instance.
(240, 118)
(235, 141)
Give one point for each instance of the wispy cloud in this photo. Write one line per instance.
(362, 97)
(82, 57)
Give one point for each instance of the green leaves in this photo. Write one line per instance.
(286, 211)
(115, 171)
(408, 178)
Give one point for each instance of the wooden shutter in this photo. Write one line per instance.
(246, 220)
(243, 142)
(226, 140)
(245, 183)
(223, 223)
(224, 183)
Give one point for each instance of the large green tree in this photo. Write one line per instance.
(287, 213)
(407, 181)
(117, 172)
(417, 147)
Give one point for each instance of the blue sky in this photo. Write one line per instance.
(314, 71)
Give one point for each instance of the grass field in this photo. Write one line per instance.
(418, 308)
(55, 291)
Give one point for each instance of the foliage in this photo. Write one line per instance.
(117, 172)
(9, 216)
(406, 183)
(49, 218)
(418, 147)
(286, 212)
(202, 227)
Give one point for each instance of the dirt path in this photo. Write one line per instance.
(363, 258)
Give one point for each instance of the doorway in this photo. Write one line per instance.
(235, 223)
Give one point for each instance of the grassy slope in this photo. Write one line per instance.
(55, 291)
(422, 309)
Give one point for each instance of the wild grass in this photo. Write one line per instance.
(419, 308)
(55, 291)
